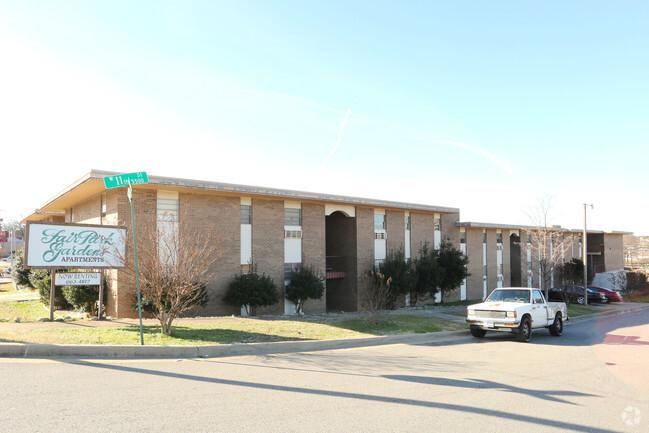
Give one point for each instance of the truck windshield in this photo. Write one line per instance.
(510, 296)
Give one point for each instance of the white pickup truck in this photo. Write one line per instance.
(517, 310)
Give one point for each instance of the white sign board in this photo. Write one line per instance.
(77, 278)
(74, 246)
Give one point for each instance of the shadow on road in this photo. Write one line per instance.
(562, 425)
(488, 384)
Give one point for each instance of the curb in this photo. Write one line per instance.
(33, 350)
(609, 313)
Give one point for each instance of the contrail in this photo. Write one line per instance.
(340, 136)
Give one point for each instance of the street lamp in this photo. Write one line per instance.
(584, 255)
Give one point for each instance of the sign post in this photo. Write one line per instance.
(129, 180)
(52, 290)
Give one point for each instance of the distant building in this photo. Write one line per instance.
(343, 237)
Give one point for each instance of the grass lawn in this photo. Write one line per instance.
(246, 331)
(28, 311)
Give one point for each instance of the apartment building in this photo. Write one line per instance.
(343, 237)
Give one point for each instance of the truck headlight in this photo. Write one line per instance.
(470, 312)
(511, 314)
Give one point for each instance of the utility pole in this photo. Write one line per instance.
(585, 257)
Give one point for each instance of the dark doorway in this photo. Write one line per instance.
(515, 260)
(341, 262)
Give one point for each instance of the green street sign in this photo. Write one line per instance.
(126, 179)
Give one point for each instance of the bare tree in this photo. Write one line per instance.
(377, 296)
(548, 244)
(175, 261)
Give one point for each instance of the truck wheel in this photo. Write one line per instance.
(525, 330)
(556, 329)
(477, 332)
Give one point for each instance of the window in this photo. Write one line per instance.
(246, 214)
(407, 222)
(463, 237)
(379, 222)
(293, 234)
(437, 221)
(499, 237)
(380, 235)
(103, 209)
(289, 268)
(292, 217)
(484, 237)
(538, 297)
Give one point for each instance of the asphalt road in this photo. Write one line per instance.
(593, 379)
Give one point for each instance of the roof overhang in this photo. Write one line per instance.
(93, 183)
(479, 225)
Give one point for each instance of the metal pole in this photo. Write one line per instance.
(100, 314)
(137, 273)
(52, 289)
(585, 257)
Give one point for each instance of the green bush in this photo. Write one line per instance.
(82, 298)
(19, 274)
(399, 271)
(42, 281)
(251, 291)
(306, 283)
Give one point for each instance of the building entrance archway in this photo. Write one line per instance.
(341, 258)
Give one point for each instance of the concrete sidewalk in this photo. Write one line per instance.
(33, 350)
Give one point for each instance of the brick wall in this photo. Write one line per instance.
(450, 230)
(120, 299)
(268, 245)
(218, 215)
(364, 249)
(613, 252)
(422, 230)
(313, 248)
(89, 211)
(396, 229)
(474, 251)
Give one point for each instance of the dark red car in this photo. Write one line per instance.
(611, 295)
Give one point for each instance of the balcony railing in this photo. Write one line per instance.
(335, 266)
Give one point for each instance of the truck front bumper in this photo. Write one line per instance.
(504, 324)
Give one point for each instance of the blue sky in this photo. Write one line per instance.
(485, 106)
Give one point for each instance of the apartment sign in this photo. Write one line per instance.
(74, 246)
(77, 278)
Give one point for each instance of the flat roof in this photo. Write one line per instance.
(92, 184)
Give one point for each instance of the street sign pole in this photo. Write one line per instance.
(137, 273)
(130, 179)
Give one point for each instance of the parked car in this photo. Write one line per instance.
(518, 310)
(6, 272)
(575, 295)
(611, 295)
